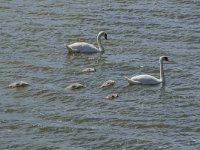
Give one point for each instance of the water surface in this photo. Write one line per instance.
(46, 116)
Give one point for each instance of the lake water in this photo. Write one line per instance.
(46, 116)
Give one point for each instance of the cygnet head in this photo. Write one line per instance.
(102, 33)
(163, 58)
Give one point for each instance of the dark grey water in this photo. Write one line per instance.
(46, 116)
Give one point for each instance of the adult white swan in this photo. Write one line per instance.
(147, 79)
(82, 47)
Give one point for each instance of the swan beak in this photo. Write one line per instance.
(168, 61)
(166, 58)
(106, 37)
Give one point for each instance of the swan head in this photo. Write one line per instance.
(163, 58)
(104, 34)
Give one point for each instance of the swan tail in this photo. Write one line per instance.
(131, 82)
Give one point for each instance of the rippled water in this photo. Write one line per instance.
(46, 116)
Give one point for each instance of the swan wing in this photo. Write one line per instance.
(131, 82)
(145, 79)
(82, 47)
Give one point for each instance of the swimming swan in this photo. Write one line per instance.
(147, 79)
(82, 47)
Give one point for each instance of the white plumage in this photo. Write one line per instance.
(143, 79)
(82, 47)
(148, 79)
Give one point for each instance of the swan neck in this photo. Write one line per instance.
(101, 48)
(162, 76)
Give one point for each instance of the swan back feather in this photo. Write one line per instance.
(145, 79)
(82, 47)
